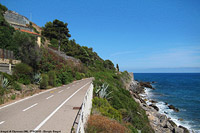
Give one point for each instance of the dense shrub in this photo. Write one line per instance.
(64, 75)
(10, 83)
(13, 97)
(9, 77)
(52, 78)
(54, 43)
(131, 128)
(2, 90)
(27, 51)
(79, 75)
(37, 78)
(108, 64)
(103, 106)
(101, 124)
(44, 82)
(6, 31)
(16, 86)
(121, 100)
(23, 73)
(50, 61)
(22, 68)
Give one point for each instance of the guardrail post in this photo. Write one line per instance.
(10, 67)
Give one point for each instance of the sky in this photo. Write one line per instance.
(139, 35)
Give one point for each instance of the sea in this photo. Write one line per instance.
(181, 90)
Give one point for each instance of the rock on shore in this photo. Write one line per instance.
(159, 122)
(173, 108)
(146, 84)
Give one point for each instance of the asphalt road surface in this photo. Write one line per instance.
(50, 111)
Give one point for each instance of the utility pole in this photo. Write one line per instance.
(31, 17)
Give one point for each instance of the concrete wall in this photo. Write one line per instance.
(6, 68)
(18, 26)
(17, 21)
(86, 109)
(39, 41)
(12, 16)
(8, 61)
(39, 29)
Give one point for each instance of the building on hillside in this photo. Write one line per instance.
(38, 36)
(22, 24)
(17, 21)
(39, 29)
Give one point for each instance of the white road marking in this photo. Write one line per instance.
(68, 87)
(49, 97)
(45, 120)
(27, 98)
(2, 122)
(73, 85)
(30, 106)
(60, 91)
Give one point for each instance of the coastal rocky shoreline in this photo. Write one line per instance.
(159, 122)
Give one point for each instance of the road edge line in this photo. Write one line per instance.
(27, 98)
(48, 117)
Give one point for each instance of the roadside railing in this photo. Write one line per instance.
(85, 110)
(7, 61)
(76, 119)
(6, 54)
(7, 57)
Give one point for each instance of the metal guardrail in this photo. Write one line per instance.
(76, 118)
(7, 61)
(6, 68)
(6, 54)
(7, 57)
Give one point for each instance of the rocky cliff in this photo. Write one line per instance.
(159, 122)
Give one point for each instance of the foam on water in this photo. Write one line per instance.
(148, 92)
(178, 89)
(164, 109)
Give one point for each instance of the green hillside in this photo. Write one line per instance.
(112, 103)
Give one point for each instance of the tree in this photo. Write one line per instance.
(27, 49)
(57, 30)
(83, 55)
(108, 64)
(3, 9)
(117, 67)
(6, 31)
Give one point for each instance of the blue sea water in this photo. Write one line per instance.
(179, 89)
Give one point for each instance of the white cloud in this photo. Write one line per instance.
(179, 57)
(166, 58)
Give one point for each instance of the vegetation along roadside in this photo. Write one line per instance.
(114, 110)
